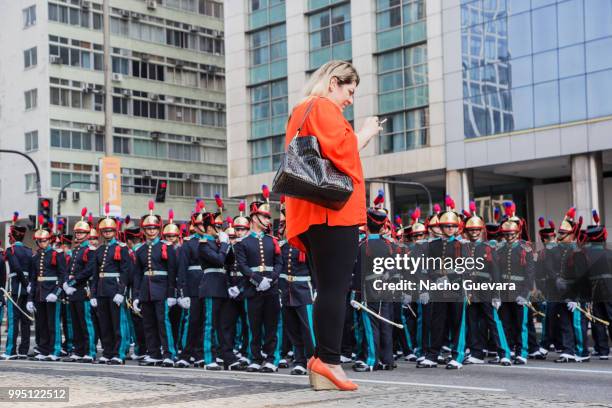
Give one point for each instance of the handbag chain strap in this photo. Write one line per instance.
(308, 109)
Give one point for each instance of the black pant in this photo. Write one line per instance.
(263, 313)
(332, 252)
(158, 330)
(515, 319)
(82, 328)
(48, 315)
(231, 311)
(67, 328)
(573, 332)
(551, 332)
(175, 314)
(377, 342)
(297, 328)
(603, 310)
(140, 346)
(483, 318)
(405, 339)
(447, 318)
(114, 329)
(193, 342)
(349, 328)
(17, 324)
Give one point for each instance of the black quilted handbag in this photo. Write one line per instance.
(305, 174)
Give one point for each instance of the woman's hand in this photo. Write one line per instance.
(370, 128)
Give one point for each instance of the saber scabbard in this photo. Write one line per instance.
(8, 296)
(363, 307)
(534, 310)
(592, 317)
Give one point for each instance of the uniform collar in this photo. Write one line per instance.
(18, 243)
(450, 239)
(197, 235)
(373, 236)
(84, 244)
(111, 242)
(258, 234)
(207, 237)
(49, 248)
(136, 246)
(155, 241)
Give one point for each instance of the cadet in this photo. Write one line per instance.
(259, 260)
(80, 269)
(19, 258)
(50, 270)
(296, 299)
(133, 238)
(155, 284)
(111, 275)
(483, 304)
(190, 274)
(517, 267)
(546, 284)
(213, 285)
(233, 315)
(600, 276)
(171, 234)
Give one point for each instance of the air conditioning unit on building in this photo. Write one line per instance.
(99, 128)
(88, 88)
(153, 96)
(155, 135)
(218, 33)
(147, 173)
(145, 57)
(126, 92)
(194, 29)
(125, 14)
(117, 77)
(169, 99)
(151, 4)
(179, 64)
(55, 59)
(91, 128)
(135, 15)
(85, 4)
(179, 115)
(76, 196)
(219, 106)
(189, 176)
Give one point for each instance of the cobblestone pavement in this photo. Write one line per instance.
(538, 385)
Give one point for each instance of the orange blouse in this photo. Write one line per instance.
(338, 143)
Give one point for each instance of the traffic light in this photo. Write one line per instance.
(160, 191)
(45, 208)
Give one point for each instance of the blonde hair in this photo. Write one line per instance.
(318, 84)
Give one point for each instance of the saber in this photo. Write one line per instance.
(16, 305)
(358, 306)
(128, 302)
(534, 310)
(411, 311)
(592, 317)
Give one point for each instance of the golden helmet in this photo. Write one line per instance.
(171, 228)
(473, 221)
(198, 216)
(511, 225)
(262, 207)
(94, 234)
(418, 228)
(151, 220)
(42, 233)
(82, 225)
(219, 214)
(241, 220)
(231, 232)
(107, 222)
(568, 225)
(449, 218)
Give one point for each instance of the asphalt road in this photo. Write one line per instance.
(541, 383)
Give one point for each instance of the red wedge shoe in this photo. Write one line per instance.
(322, 378)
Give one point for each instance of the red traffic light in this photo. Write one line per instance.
(45, 203)
(163, 184)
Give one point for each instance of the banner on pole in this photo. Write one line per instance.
(110, 180)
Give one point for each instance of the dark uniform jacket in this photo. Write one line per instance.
(19, 258)
(234, 276)
(516, 265)
(156, 272)
(49, 274)
(599, 271)
(258, 256)
(212, 258)
(489, 273)
(295, 281)
(112, 270)
(190, 271)
(572, 281)
(443, 248)
(80, 269)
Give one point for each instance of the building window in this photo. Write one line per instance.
(404, 131)
(64, 173)
(266, 154)
(266, 12)
(147, 70)
(29, 16)
(399, 22)
(330, 35)
(30, 182)
(268, 109)
(402, 79)
(71, 139)
(31, 141)
(31, 99)
(139, 181)
(76, 53)
(30, 57)
(268, 54)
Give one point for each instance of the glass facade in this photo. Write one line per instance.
(268, 84)
(399, 23)
(402, 74)
(534, 64)
(329, 32)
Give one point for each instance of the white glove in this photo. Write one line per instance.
(29, 288)
(314, 295)
(30, 307)
(135, 306)
(118, 299)
(171, 301)
(93, 302)
(355, 305)
(233, 292)
(223, 237)
(496, 303)
(571, 306)
(68, 289)
(424, 298)
(264, 284)
(51, 297)
(521, 301)
(406, 299)
(184, 302)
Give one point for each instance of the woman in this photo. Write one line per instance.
(330, 237)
